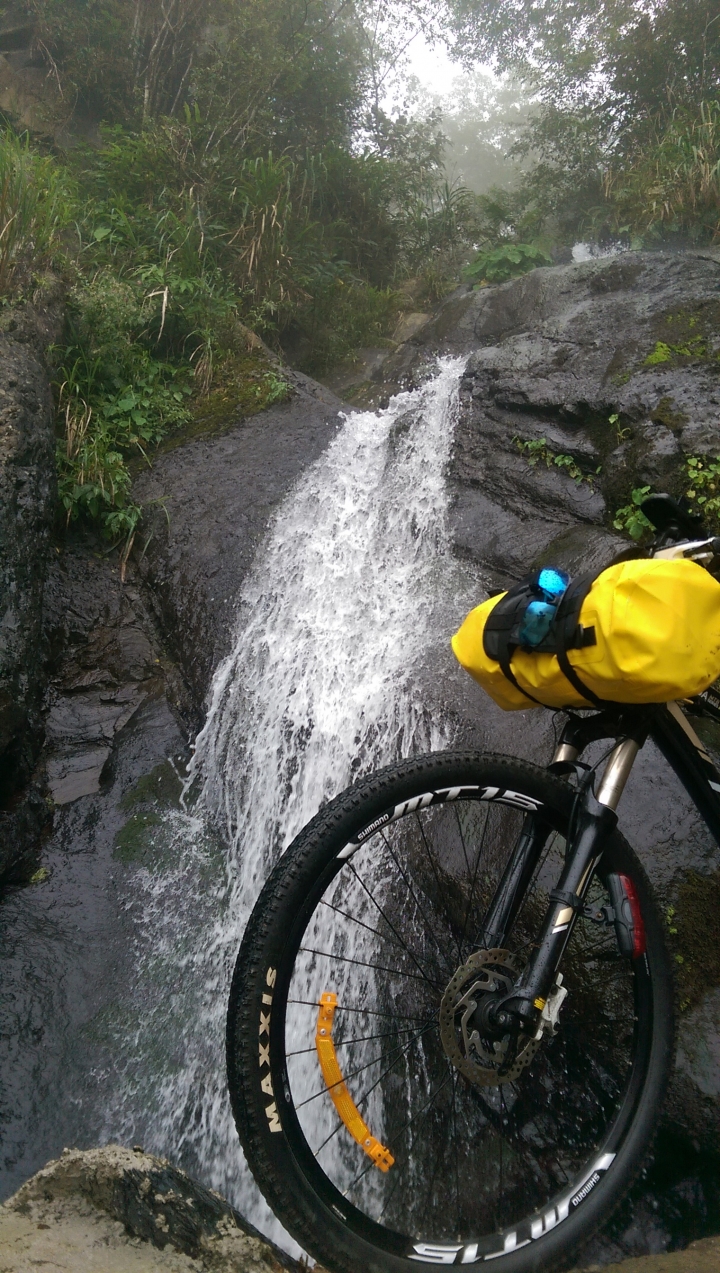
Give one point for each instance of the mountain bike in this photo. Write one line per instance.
(451, 1020)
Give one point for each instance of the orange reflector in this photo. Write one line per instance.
(341, 1098)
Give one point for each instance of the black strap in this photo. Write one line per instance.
(500, 636)
(504, 661)
(569, 607)
(566, 899)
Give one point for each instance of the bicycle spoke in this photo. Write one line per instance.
(392, 1138)
(354, 920)
(428, 927)
(475, 874)
(344, 1043)
(438, 1159)
(371, 1012)
(457, 1167)
(387, 921)
(361, 1070)
(362, 963)
(340, 1124)
(441, 891)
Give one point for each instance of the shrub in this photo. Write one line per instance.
(115, 400)
(704, 477)
(673, 184)
(537, 450)
(343, 317)
(497, 265)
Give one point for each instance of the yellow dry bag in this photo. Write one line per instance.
(644, 631)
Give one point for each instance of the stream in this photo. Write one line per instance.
(346, 598)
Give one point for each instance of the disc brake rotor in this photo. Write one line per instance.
(485, 1062)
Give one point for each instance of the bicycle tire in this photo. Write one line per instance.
(603, 1076)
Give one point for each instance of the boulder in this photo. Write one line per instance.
(135, 1212)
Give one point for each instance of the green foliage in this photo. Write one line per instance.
(671, 185)
(34, 207)
(344, 317)
(276, 388)
(620, 433)
(704, 477)
(537, 451)
(624, 143)
(115, 400)
(497, 265)
(630, 518)
(246, 182)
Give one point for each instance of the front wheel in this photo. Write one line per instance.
(385, 1130)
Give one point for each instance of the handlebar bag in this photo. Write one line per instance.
(645, 631)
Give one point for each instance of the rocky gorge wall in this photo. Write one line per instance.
(550, 356)
(28, 497)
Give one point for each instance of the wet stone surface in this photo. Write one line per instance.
(106, 666)
(27, 507)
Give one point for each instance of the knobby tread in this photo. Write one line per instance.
(306, 1226)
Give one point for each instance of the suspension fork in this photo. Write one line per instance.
(511, 890)
(595, 820)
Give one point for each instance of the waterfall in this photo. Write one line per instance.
(335, 615)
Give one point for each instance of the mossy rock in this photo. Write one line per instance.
(666, 413)
(243, 385)
(162, 786)
(684, 336)
(140, 841)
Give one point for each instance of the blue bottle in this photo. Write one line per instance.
(536, 623)
(551, 585)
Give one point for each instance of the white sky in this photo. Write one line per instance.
(432, 66)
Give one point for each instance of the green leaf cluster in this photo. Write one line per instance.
(703, 474)
(630, 518)
(537, 451)
(36, 204)
(497, 265)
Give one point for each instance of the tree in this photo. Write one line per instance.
(625, 85)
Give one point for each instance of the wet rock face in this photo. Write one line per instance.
(27, 505)
(27, 510)
(105, 664)
(556, 354)
(212, 503)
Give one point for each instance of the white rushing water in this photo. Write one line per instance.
(336, 614)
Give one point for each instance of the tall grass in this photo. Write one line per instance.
(34, 206)
(674, 184)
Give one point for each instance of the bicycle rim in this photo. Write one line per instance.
(480, 1169)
